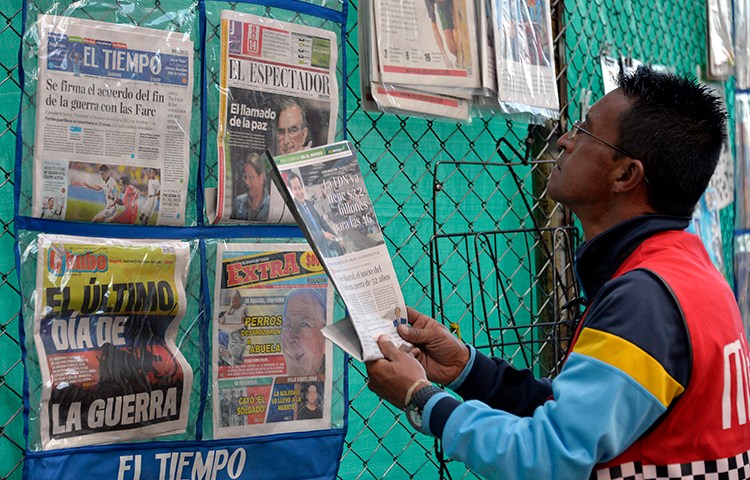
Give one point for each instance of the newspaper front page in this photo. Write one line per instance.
(271, 363)
(112, 122)
(325, 189)
(525, 62)
(279, 91)
(427, 42)
(105, 324)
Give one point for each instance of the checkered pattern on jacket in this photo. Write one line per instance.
(733, 468)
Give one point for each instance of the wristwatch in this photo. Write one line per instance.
(415, 407)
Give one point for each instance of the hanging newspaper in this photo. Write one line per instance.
(105, 324)
(720, 191)
(278, 91)
(271, 363)
(113, 111)
(427, 42)
(720, 45)
(742, 45)
(525, 63)
(325, 190)
(742, 176)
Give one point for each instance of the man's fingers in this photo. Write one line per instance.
(387, 347)
(413, 315)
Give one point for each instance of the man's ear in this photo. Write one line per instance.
(629, 175)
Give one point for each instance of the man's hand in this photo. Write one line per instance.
(391, 377)
(442, 355)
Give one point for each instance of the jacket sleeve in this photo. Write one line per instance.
(497, 383)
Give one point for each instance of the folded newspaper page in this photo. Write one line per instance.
(525, 63)
(279, 92)
(112, 122)
(427, 42)
(271, 363)
(325, 190)
(105, 324)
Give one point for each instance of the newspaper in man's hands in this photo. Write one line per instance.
(325, 191)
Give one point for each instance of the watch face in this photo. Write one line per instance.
(415, 417)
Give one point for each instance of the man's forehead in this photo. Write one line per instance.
(610, 106)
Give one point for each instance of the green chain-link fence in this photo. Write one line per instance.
(462, 207)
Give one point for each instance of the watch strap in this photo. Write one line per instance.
(420, 398)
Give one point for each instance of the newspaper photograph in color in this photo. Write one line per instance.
(105, 324)
(427, 42)
(325, 190)
(112, 122)
(271, 363)
(278, 91)
(525, 62)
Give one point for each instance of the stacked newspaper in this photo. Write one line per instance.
(112, 119)
(325, 191)
(278, 91)
(438, 58)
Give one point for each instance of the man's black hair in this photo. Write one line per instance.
(676, 127)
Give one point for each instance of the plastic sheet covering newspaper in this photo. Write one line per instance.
(742, 44)
(327, 194)
(719, 33)
(113, 121)
(278, 91)
(272, 365)
(742, 274)
(742, 176)
(525, 62)
(720, 191)
(105, 321)
(427, 42)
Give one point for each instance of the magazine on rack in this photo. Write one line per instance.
(105, 329)
(112, 120)
(271, 363)
(325, 190)
(278, 92)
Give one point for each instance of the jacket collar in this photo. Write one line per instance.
(599, 258)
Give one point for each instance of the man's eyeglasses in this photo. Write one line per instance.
(578, 125)
(291, 131)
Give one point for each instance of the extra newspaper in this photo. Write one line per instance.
(325, 189)
(105, 324)
(112, 122)
(271, 363)
(279, 92)
(525, 63)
